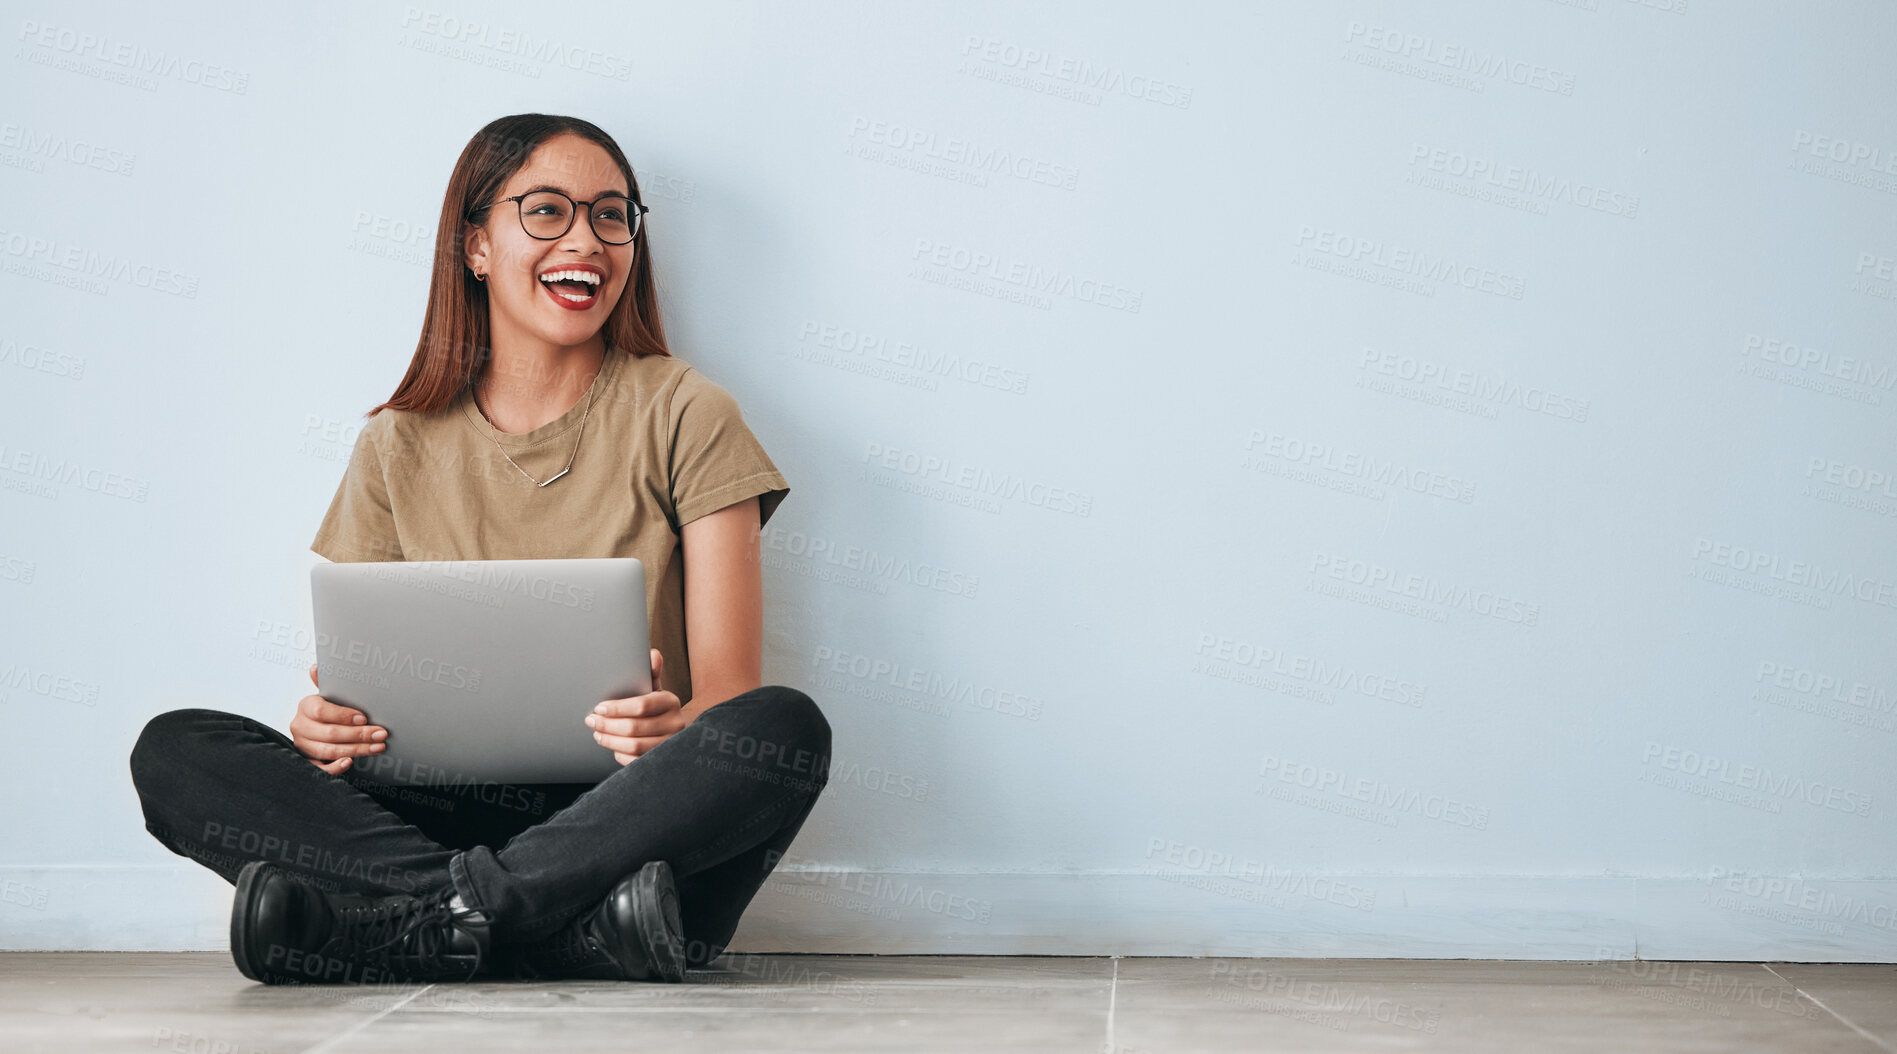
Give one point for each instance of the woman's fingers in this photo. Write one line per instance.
(633, 726)
(625, 724)
(324, 750)
(309, 721)
(328, 735)
(651, 704)
(322, 711)
(628, 745)
(316, 730)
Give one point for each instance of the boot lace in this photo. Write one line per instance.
(408, 934)
(571, 946)
(554, 956)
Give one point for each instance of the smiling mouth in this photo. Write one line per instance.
(576, 288)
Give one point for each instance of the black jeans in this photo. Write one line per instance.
(720, 800)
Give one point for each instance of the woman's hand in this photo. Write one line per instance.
(330, 735)
(630, 727)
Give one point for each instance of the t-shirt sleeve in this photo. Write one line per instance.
(360, 525)
(714, 459)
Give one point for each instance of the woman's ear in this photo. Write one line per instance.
(474, 249)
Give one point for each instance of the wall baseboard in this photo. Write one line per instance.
(1753, 918)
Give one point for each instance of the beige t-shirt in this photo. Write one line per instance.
(663, 446)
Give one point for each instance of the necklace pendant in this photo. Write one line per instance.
(592, 390)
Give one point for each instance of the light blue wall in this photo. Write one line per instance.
(1365, 479)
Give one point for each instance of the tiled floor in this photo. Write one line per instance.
(197, 1003)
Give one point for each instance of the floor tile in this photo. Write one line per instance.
(1863, 994)
(1168, 1005)
(148, 1002)
(155, 1001)
(710, 1029)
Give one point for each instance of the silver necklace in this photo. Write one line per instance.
(591, 390)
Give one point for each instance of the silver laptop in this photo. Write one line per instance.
(483, 671)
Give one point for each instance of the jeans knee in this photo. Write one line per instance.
(165, 744)
(800, 718)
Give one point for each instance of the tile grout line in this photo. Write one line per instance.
(762, 1009)
(365, 1023)
(1113, 996)
(1848, 1023)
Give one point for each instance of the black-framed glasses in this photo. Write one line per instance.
(548, 214)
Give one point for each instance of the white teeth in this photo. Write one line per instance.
(579, 276)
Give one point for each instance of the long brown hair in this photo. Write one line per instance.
(454, 348)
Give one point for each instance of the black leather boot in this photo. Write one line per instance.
(285, 930)
(633, 935)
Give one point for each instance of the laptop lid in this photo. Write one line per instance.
(483, 671)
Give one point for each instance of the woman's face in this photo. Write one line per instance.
(521, 303)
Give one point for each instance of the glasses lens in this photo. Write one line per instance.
(614, 219)
(546, 214)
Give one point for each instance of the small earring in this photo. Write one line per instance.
(480, 276)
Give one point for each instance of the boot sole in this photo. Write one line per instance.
(662, 933)
(243, 908)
